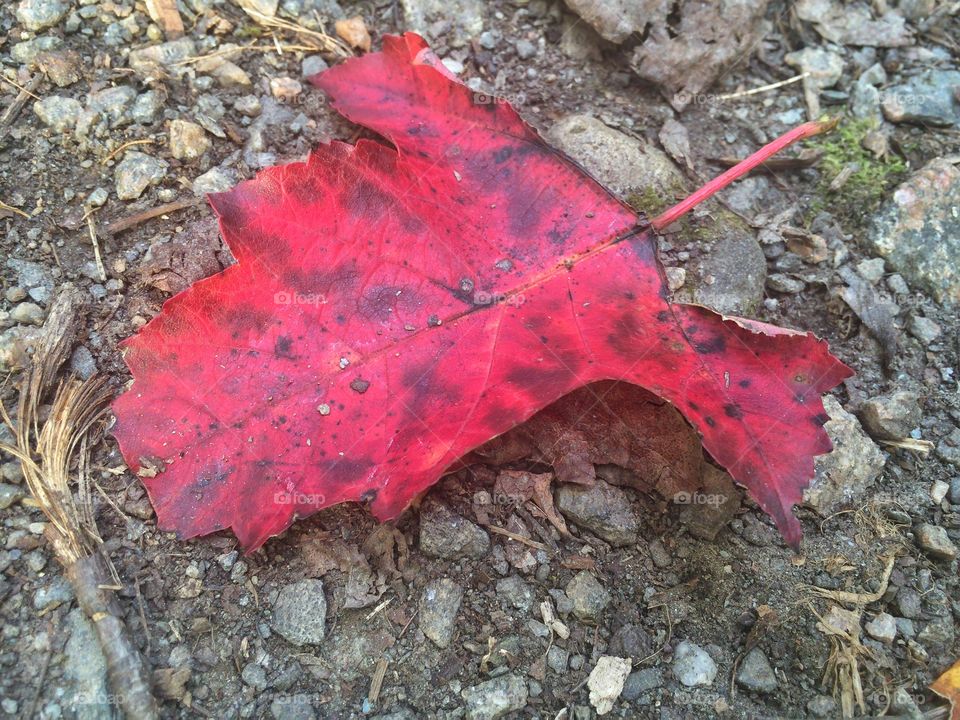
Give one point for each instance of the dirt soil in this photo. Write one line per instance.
(204, 615)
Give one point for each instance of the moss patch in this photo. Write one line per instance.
(871, 179)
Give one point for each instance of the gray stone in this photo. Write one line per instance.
(621, 162)
(938, 635)
(843, 475)
(495, 698)
(313, 64)
(872, 270)
(34, 277)
(9, 494)
(630, 641)
(822, 706)
(147, 61)
(918, 230)
(215, 180)
(114, 104)
(444, 534)
(52, 595)
(927, 99)
(27, 313)
(515, 592)
(292, 707)
(658, 553)
(98, 198)
(865, 101)
(824, 69)
(640, 682)
(786, 284)
(909, 603)
(188, 141)
(82, 363)
(557, 659)
(614, 20)
(136, 172)
(146, 106)
(892, 416)
(488, 40)
(588, 596)
(248, 105)
(37, 15)
(85, 666)
(255, 676)
(948, 449)
(27, 51)
(935, 542)
(854, 23)
(923, 329)
(755, 673)
(456, 21)
(692, 666)
(954, 493)
(300, 613)
(883, 627)
(439, 605)
(874, 75)
(525, 49)
(58, 113)
(604, 509)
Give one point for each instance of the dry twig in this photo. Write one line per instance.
(47, 451)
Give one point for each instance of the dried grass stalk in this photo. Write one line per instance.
(47, 450)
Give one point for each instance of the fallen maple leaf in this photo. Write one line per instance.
(948, 686)
(394, 307)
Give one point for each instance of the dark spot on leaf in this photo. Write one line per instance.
(744, 383)
(710, 346)
(733, 410)
(820, 420)
(360, 385)
(710, 421)
(282, 347)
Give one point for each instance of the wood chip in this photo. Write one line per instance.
(165, 14)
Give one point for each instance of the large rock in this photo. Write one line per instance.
(892, 416)
(495, 698)
(300, 613)
(928, 99)
(844, 474)
(439, 605)
(37, 15)
(755, 673)
(588, 596)
(918, 230)
(454, 21)
(444, 534)
(601, 508)
(615, 20)
(692, 666)
(729, 270)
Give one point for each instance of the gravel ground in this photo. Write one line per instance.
(655, 605)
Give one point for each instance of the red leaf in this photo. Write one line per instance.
(427, 297)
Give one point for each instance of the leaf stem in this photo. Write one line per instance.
(740, 169)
